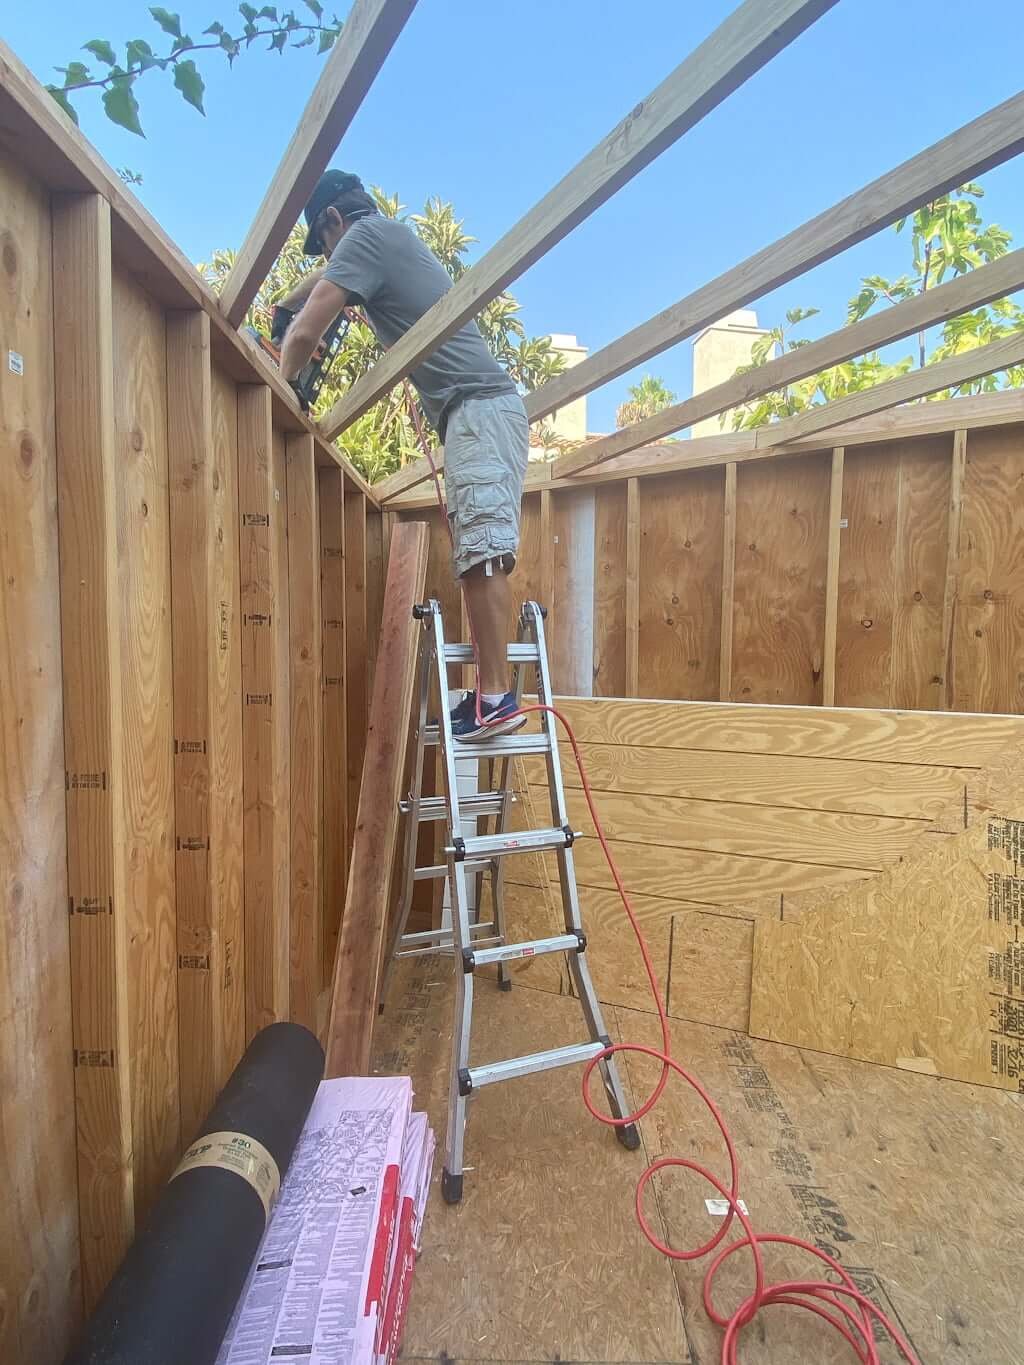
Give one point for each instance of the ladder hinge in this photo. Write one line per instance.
(570, 837)
(465, 1081)
(581, 940)
(604, 1040)
(421, 610)
(468, 960)
(459, 846)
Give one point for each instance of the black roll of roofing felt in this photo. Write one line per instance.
(172, 1298)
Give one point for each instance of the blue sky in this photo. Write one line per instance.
(489, 102)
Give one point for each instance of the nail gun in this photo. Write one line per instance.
(311, 377)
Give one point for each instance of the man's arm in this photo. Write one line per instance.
(323, 306)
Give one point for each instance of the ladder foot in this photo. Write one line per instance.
(629, 1136)
(451, 1186)
(504, 983)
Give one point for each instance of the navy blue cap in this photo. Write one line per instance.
(329, 188)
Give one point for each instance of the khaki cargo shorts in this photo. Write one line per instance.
(486, 446)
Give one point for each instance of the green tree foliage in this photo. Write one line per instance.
(947, 238)
(645, 399)
(116, 77)
(386, 438)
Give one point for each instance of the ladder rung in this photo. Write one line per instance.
(560, 943)
(428, 874)
(443, 936)
(514, 841)
(470, 807)
(433, 948)
(498, 747)
(517, 654)
(536, 1061)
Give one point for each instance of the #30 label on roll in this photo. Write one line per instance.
(239, 1153)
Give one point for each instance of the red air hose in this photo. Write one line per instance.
(842, 1304)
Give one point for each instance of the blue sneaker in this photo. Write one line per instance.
(499, 718)
(466, 709)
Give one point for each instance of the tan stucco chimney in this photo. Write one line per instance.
(718, 352)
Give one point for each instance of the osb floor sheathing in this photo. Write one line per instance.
(911, 1181)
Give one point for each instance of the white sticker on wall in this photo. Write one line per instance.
(844, 524)
(718, 1208)
(15, 362)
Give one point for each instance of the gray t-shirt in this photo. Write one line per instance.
(397, 278)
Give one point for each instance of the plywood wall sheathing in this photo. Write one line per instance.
(919, 968)
(306, 736)
(262, 523)
(39, 1232)
(207, 745)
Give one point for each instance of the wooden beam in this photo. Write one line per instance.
(375, 565)
(93, 730)
(835, 514)
(746, 41)
(207, 721)
(995, 137)
(945, 374)
(305, 763)
(368, 900)
(954, 522)
(632, 586)
(335, 765)
(265, 719)
(356, 671)
(728, 583)
(366, 39)
(988, 282)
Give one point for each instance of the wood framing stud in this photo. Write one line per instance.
(632, 586)
(335, 766)
(368, 35)
(305, 759)
(368, 902)
(265, 718)
(835, 514)
(356, 672)
(955, 520)
(740, 46)
(728, 583)
(93, 730)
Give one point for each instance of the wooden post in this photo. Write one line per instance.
(835, 515)
(306, 701)
(93, 729)
(632, 588)
(356, 675)
(368, 902)
(207, 722)
(265, 720)
(956, 509)
(728, 583)
(335, 766)
(375, 564)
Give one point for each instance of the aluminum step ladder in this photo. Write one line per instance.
(470, 941)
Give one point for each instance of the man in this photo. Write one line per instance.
(383, 266)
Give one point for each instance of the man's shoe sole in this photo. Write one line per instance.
(500, 727)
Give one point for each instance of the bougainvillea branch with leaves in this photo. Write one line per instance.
(116, 76)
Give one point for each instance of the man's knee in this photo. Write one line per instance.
(487, 568)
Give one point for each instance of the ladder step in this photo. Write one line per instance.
(498, 747)
(505, 952)
(520, 841)
(517, 654)
(470, 807)
(429, 874)
(536, 1061)
(444, 938)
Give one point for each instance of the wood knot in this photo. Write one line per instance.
(17, 894)
(688, 544)
(216, 480)
(918, 596)
(137, 439)
(10, 255)
(867, 623)
(752, 545)
(978, 634)
(670, 620)
(145, 508)
(27, 450)
(988, 594)
(675, 600)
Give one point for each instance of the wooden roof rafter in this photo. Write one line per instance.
(746, 41)
(366, 39)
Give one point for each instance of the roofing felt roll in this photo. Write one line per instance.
(172, 1298)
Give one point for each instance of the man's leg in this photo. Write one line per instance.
(489, 603)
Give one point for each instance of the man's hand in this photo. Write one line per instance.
(324, 304)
